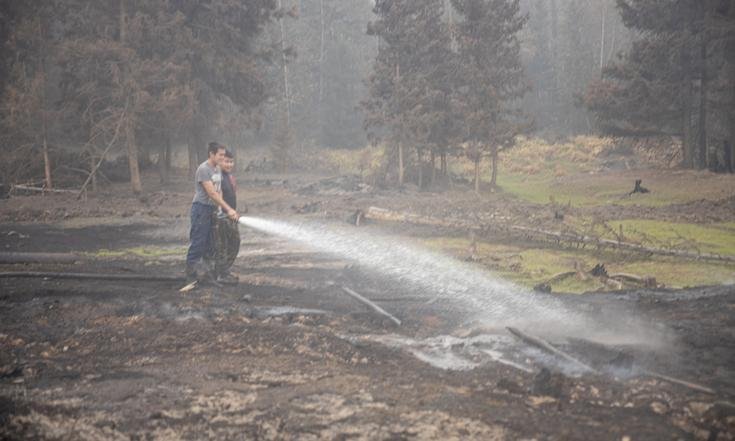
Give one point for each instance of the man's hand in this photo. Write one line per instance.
(232, 214)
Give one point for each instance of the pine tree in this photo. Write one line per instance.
(669, 81)
(491, 78)
(25, 108)
(410, 87)
(146, 70)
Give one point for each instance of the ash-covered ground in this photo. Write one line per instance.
(287, 355)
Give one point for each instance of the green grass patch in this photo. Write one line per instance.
(587, 190)
(531, 266)
(715, 238)
(140, 252)
(679, 274)
(540, 189)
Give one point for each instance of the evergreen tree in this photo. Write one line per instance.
(148, 69)
(491, 78)
(669, 81)
(26, 109)
(410, 87)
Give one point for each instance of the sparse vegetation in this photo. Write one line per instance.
(529, 266)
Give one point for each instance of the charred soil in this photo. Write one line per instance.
(286, 355)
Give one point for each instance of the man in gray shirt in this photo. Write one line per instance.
(207, 197)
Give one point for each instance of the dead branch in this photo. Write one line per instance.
(371, 304)
(625, 245)
(685, 383)
(104, 153)
(382, 214)
(546, 346)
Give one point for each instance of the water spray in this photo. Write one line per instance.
(457, 286)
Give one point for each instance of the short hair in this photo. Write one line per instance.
(228, 154)
(214, 147)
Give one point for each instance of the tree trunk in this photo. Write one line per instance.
(164, 149)
(193, 159)
(602, 38)
(46, 161)
(444, 163)
(284, 62)
(553, 50)
(92, 171)
(687, 141)
(433, 167)
(44, 118)
(421, 168)
(122, 17)
(168, 156)
(132, 148)
(477, 174)
(494, 176)
(135, 182)
(702, 119)
(320, 114)
(400, 164)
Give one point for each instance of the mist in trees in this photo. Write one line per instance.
(431, 80)
(677, 79)
(138, 74)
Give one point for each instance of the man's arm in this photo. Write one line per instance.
(217, 198)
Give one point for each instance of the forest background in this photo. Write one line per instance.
(147, 82)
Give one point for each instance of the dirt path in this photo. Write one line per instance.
(285, 355)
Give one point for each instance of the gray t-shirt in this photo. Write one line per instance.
(204, 173)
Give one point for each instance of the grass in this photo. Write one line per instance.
(588, 190)
(568, 172)
(714, 238)
(531, 266)
(140, 252)
(537, 171)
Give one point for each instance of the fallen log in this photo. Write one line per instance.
(382, 214)
(89, 276)
(371, 304)
(648, 282)
(612, 283)
(39, 258)
(690, 385)
(547, 347)
(559, 277)
(39, 189)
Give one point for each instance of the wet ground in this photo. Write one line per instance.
(287, 355)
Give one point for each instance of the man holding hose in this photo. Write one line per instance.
(207, 197)
(226, 236)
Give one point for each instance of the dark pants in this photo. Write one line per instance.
(200, 234)
(226, 240)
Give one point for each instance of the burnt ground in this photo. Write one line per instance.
(287, 355)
